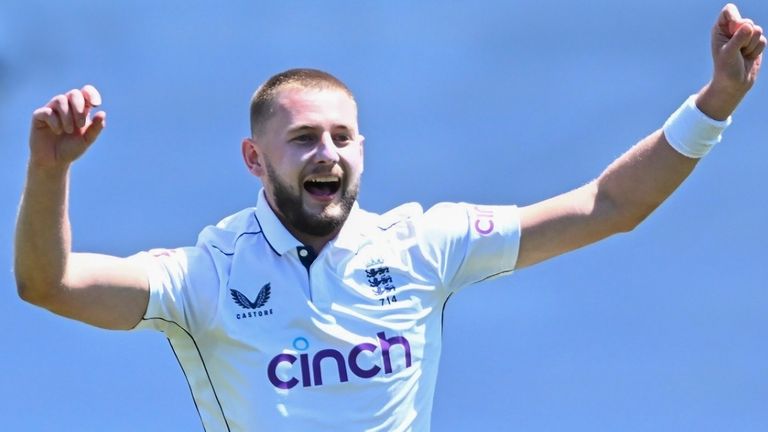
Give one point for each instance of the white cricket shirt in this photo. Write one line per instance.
(272, 338)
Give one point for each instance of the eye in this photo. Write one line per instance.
(342, 139)
(304, 139)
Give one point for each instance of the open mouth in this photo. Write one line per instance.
(323, 186)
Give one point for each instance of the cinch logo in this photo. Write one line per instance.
(311, 373)
(483, 220)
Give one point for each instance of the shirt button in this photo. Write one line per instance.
(303, 253)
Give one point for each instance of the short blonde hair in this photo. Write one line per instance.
(262, 101)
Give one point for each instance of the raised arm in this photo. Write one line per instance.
(97, 289)
(641, 179)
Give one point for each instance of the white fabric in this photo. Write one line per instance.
(691, 132)
(351, 343)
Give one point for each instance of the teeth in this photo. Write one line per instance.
(325, 179)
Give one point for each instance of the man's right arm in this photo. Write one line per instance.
(101, 290)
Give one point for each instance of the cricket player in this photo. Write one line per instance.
(306, 312)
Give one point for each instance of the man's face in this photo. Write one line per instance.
(312, 158)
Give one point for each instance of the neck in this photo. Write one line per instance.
(317, 243)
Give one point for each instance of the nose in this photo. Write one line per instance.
(326, 151)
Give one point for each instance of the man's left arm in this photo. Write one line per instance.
(641, 179)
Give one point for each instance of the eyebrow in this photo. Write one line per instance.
(300, 128)
(305, 127)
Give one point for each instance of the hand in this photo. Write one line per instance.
(737, 51)
(63, 129)
(737, 48)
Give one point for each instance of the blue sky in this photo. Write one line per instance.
(661, 329)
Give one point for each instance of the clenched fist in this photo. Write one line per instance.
(737, 52)
(63, 129)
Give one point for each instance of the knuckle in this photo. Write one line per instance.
(75, 97)
(60, 100)
(89, 89)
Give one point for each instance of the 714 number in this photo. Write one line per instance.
(388, 300)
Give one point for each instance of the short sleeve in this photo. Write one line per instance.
(183, 285)
(472, 243)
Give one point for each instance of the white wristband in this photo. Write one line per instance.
(691, 132)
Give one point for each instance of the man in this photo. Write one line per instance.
(306, 304)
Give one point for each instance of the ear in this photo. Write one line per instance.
(251, 157)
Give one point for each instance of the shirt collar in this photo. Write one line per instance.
(355, 231)
(281, 240)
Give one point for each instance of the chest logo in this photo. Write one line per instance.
(379, 278)
(244, 302)
(261, 299)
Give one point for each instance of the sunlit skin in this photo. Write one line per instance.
(312, 135)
